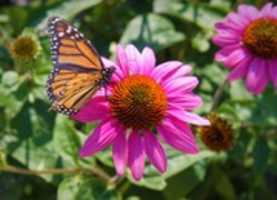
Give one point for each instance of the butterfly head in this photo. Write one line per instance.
(107, 74)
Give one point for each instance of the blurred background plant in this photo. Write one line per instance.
(39, 149)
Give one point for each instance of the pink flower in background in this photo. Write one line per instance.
(142, 98)
(248, 39)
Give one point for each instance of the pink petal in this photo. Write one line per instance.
(136, 155)
(120, 152)
(240, 70)
(225, 52)
(236, 21)
(266, 10)
(224, 38)
(94, 109)
(273, 72)
(101, 137)
(155, 152)
(181, 85)
(186, 101)
(188, 117)
(274, 12)
(224, 25)
(149, 60)
(134, 59)
(180, 139)
(121, 60)
(181, 72)
(249, 12)
(235, 57)
(165, 70)
(257, 77)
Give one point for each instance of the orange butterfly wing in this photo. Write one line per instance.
(77, 73)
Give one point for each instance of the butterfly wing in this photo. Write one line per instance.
(77, 73)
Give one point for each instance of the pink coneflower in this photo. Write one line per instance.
(248, 40)
(144, 103)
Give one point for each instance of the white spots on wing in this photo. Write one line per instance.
(61, 34)
(69, 29)
(55, 20)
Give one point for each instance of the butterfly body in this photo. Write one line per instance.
(78, 69)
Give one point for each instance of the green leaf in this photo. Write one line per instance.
(10, 78)
(177, 162)
(261, 154)
(224, 186)
(151, 30)
(201, 42)
(186, 181)
(66, 140)
(105, 157)
(83, 187)
(238, 92)
(67, 10)
(180, 162)
(265, 110)
(33, 145)
(2, 159)
(202, 14)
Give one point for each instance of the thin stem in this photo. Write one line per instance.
(55, 171)
(218, 95)
(115, 180)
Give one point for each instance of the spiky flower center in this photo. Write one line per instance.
(24, 47)
(138, 102)
(260, 37)
(219, 135)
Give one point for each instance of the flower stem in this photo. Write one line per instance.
(218, 95)
(55, 171)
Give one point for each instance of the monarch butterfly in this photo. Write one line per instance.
(78, 71)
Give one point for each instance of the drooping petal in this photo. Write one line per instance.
(180, 139)
(94, 109)
(240, 70)
(165, 70)
(266, 11)
(237, 21)
(188, 117)
(101, 137)
(155, 152)
(274, 12)
(149, 60)
(249, 12)
(225, 37)
(181, 72)
(235, 57)
(224, 25)
(225, 52)
(186, 101)
(120, 153)
(136, 155)
(257, 77)
(181, 85)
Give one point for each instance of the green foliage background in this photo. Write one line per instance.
(45, 145)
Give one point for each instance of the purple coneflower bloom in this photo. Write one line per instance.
(146, 104)
(248, 39)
